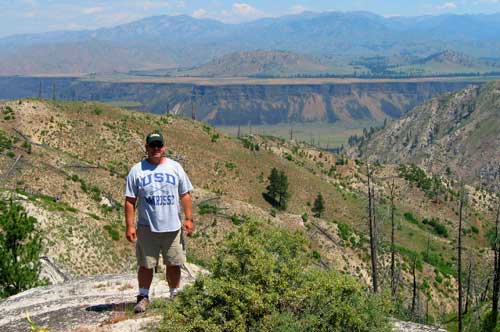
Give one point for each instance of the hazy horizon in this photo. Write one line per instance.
(38, 16)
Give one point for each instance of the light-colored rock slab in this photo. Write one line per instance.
(99, 303)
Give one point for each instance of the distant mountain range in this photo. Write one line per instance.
(458, 131)
(182, 41)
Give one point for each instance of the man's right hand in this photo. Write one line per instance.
(131, 234)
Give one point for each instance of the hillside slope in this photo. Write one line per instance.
(458, 130)
(66, 163)
(448, 62)
(77, 58)
(255, 63)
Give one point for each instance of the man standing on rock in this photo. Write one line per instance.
(161, 187)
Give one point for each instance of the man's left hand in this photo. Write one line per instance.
(188, 227)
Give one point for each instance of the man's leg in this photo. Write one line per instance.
(175, 257)
(174, 279)
(145, 277)
(147, 253)
(174, 276)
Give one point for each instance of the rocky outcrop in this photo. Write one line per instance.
(400, 326)
(101, 303)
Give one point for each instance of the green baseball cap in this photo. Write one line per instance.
(154, 137)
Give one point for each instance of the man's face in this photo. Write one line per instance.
(155, 149)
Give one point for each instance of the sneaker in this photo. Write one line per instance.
(142, 304)
(173, 292)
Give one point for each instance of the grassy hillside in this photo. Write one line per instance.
(67, 162)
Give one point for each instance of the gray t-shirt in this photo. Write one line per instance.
(158, 188)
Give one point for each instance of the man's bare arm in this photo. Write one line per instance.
(130, 233)
(187, 206)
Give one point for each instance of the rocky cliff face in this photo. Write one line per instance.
(235, 104)
(459, 131)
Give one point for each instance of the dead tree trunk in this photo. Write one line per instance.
(393, 272)
(496, 269)
(459, 261)
(371, 226)
(468, 286)
(414, 297)
(484, 294)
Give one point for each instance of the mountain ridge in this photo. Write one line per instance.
(457, 131)
(190, 41)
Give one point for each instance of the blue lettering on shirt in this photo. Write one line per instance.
(158, 177)
(158, 200)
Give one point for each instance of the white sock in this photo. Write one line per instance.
(173, 291)
(144, 292)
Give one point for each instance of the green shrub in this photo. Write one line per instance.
(436, 259)
(247, 143)
(5, 141)
(251, 289)
(410, 217)
(489, 322)
(214, 137)
(230, 165)
(113, 232)
(20, 250)
(206, 208)
(438, 228)
(412, 256)
(238, 219)
(344, 231)
(95, 194)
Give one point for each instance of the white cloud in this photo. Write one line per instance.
(29, 14)
(152, 4)
(30, 2)
(297, 9)
(73, 26)
(243, 9)
(200, 13)
(447, 5)
(92, 10)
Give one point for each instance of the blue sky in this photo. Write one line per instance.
(32, 16)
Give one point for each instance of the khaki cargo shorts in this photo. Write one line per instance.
(150, 244)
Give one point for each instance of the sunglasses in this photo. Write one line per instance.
(155, 145)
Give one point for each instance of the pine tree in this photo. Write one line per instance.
(20, 249)
(283, 194)
(277, 190)
(318, 206)
(272, 188)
